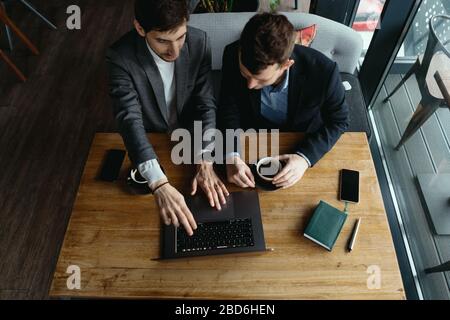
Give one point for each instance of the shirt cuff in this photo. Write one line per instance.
(231, 155)
(200, 155)
(201, 152)
(304, 157)
(151, 171)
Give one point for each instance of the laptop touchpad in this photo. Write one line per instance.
(203, 212)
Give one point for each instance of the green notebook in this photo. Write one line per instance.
(325, 225)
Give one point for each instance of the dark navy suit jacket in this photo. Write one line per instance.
(316, 101)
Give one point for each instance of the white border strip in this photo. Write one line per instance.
(397, 210)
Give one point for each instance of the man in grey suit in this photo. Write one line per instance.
(160, 81)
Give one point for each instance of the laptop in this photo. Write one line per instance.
(236, 228)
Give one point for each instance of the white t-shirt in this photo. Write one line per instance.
(167, 72)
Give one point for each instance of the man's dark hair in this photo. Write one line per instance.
(161, 15)
(266, 39)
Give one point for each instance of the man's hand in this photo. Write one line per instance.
(173, 208)
(210, 183)
(240, 174)
(292, 172)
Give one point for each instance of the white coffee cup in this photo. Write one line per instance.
(134, 176)
(267, 168)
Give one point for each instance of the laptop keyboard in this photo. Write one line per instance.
(216, 235)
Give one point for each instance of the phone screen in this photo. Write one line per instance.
(349, 185)
(112, 164)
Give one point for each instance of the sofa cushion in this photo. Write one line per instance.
(305, 36)
(358, 120)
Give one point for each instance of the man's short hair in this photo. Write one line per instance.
(267, 39)
(161, 15)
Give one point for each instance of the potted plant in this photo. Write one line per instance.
(274, 4)
(204, 6)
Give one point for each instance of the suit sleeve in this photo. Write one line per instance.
(127, 110)
(229, 116)
(334, 113)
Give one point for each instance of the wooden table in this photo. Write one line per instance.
(113, 235)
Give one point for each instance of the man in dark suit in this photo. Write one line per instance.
(269, 82)
(160, 81)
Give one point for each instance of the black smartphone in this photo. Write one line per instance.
(112, 164)
(349, 190)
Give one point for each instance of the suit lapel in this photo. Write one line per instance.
(181, 74)
(296, 84)
(151, 70)
(297, 80)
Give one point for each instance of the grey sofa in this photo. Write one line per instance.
(340, 43)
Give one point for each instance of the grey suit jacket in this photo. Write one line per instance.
(137, 90)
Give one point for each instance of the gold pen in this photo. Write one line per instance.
(354, 234)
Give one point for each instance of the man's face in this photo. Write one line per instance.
(266, 77)
(166, 44)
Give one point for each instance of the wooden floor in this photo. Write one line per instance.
(428, 151)
(46, 127)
